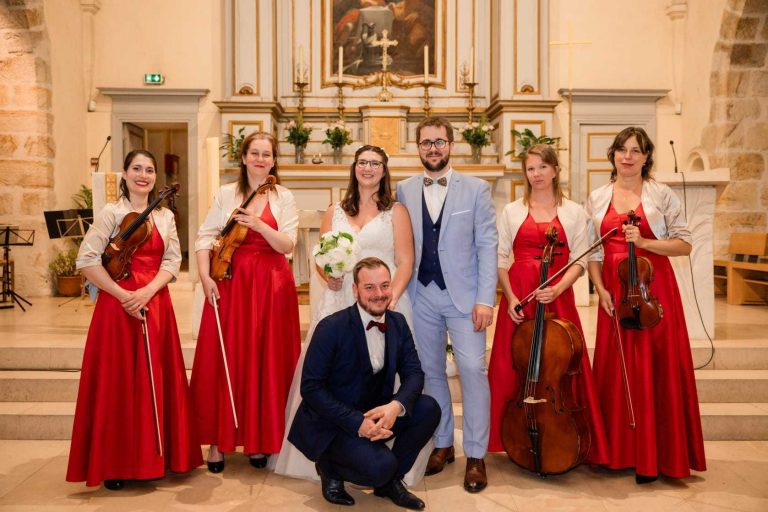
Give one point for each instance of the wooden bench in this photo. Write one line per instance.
(744, 277)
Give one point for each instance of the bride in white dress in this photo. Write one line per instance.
(382, 228)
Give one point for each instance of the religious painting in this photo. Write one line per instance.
(358, 27)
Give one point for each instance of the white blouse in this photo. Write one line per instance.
(663, 212)
(107, 224)
(281, 202)
(571, 215)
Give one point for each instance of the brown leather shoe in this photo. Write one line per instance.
(475, 479)
(439, 458)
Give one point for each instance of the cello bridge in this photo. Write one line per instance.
(531, 400)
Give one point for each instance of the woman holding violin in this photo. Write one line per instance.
(133, 418)
(249, 334)
(522, 235)
(643, 364)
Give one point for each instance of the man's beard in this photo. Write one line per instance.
(370, 305)
(439, 166)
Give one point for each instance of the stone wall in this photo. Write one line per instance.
(737, 134)
(26, 143)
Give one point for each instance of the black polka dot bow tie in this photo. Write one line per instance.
(440, 181)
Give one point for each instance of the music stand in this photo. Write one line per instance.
(11, 235)
(70, 224)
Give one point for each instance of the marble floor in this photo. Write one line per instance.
(32, 472)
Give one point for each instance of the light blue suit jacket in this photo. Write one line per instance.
(468, 239)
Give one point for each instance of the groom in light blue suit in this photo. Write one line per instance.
(453, 290)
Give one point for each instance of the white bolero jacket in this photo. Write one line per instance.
(663, 212)
(571, 215)
(107, 224)
(281, 202)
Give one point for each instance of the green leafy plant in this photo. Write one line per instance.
(64, 264)
(527, 138)
(233, 144)
(338, 135)
(298, 133)
(478, 134)
(83, 199)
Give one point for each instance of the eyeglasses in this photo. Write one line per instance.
(427, 144)
(375, 164)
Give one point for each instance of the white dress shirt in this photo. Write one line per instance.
(434, 195)
(374, 339)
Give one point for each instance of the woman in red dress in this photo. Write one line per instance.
(667, 438)
(259, 314)
(522, 229)
(114, 437)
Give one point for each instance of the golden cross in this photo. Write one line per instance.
(570, 44)
(384, 43)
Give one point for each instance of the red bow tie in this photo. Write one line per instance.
(440, 181)
(373, 323)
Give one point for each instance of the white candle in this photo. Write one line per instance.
(300, 78)
(340, 73)
(472, 65)
(426, 64)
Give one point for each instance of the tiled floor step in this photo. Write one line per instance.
(732, 385)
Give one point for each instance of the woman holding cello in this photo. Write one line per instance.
(133, 418)
(647, 389)
(522, 235)
(249, 334)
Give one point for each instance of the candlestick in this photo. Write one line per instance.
(427, 108)
(340, 106)
(472, 65)
(426, 64)
(301, 64)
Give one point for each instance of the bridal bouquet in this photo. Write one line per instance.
(336, 253)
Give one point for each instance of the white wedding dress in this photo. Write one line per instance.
(376, 238)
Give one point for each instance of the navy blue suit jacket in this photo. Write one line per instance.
(336, 368)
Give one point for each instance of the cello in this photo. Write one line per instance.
(233, 235)
(637, 309)
(543, 429)
(135, 229)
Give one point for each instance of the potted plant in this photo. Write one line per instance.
(298, 135)
(63, 270)
(477, 135)
(338, 136)
(233, 144)
(527, 138)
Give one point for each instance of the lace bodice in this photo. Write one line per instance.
(377, 239)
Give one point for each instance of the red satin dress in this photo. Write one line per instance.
(114, 434)
(504, 381)
(259, 313)
(668, 438)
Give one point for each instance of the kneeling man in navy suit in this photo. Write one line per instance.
(349, 406)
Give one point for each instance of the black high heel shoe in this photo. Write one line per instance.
(114, 485)
(215, 467)
(258, 462)
(643, 479)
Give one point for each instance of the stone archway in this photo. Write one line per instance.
(26, 136)
(737, 133)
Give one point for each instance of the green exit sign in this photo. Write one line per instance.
(153, 79)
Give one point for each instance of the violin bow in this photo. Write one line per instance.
(623, 364)
(145, 332)
(528, 298)
(224, 357)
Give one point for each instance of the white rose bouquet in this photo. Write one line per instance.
(336, 253)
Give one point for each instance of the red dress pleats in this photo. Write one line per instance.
(114, 433)
(504, 380)
(260, 323)
(668, 438)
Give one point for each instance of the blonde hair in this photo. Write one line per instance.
(548, 155)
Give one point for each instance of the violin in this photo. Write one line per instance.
(135, 229)
(544, 429)
(232, 236)
(638, 309)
